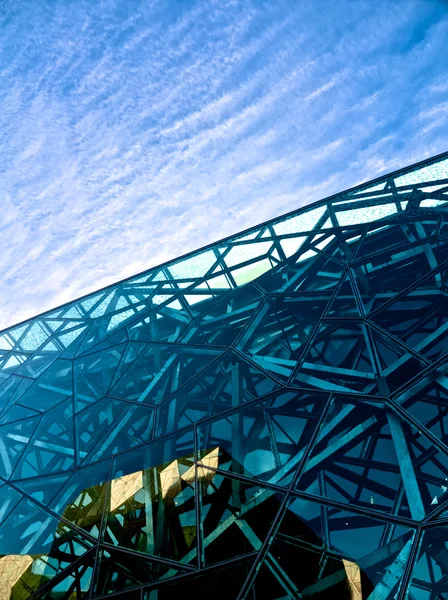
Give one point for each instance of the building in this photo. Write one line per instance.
(266, 418)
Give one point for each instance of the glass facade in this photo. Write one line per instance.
(264, 419)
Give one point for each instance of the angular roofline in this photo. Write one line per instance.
(191, 253)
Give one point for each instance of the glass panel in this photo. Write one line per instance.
(196, 266)
(53, 387)
(303, 222)
(429, 405)
(429, 574)
(419, 318)
(227, 382)
(393, 259)
(27, 530)
(365, 215)
(50, 449)
(152, 510)
(276, 339)
(28, 573)
(366, 455)
(13, 442)
(159, 370)
(340, 359)
(342, 554)
(222, 324)
(291, 245)
(374, 188)
(438, 170)
(244, 252)
(344, 303)
(236, 516)
(250, 272)
(76, 581)
(264, 440)
(155, 453)
(105, 401)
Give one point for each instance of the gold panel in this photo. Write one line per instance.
(123, 488)
(12, 568)
(354, 579)
(209, 460)
(170, 481)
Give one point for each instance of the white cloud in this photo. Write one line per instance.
(128, 137)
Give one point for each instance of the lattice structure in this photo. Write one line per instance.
(265, 419)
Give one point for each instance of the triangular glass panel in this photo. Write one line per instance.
(419, 318)
(222, 324)
(33, 338)
(344, 302)
(14, 440)
(340, 359)
(9, 499)
(306, 221)
(51, 448)
(292, 245)
(94, 373)
(74, 339)
(382, 275)
(265, 440)
(27, 530)
(236, 516)
(160, 369)
(366, 455)
(17, 413)
(428, 404)
(366, 214)
(227, 382)
(43, 489)
(10, 392)
(429, 570)
(53, 387)
(338, 547)
(277, 334)
(241, 253)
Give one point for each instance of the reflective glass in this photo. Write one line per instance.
(265, 418)
(324, 552)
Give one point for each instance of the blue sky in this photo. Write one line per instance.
(133, 132)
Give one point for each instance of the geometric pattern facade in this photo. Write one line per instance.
(266, 418)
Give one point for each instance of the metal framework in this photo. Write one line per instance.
(266, 418)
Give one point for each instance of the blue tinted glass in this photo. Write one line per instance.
(266, 418)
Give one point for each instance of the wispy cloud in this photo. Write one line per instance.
(131, 132)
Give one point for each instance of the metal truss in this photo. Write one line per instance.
(266, 418)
